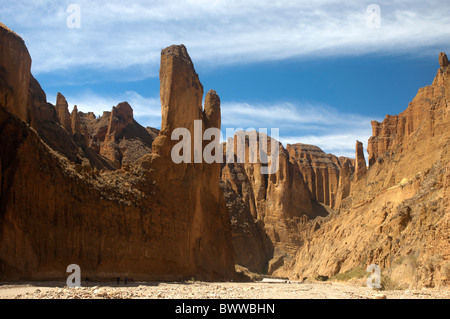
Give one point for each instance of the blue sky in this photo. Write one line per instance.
(317, 70)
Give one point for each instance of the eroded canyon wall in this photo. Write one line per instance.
(274, 205)
(397, 213)
(154, 221)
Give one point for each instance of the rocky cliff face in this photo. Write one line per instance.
(424, 116)
(346, 175)
(253, 247)
(443, 60)
(396, 214)
(321, 172)
(114, 138)
(273, 205)
(115, 202)
(62, 110)
(125, 141)
(15, 62)
(360, 162)
(111, 223)
(275, 208)
(208, 244)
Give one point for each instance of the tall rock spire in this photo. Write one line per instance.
(62, 111)
(75, 121)
(443, 60)
(360, 161)
(212, 110)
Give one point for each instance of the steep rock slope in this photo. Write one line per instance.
(322, 172)
(397, 213)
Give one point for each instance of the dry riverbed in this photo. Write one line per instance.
(202, 290)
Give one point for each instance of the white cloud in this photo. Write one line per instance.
(118, 35)
(309, 123)
(298, 114)
(339, 144)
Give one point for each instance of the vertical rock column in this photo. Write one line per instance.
(62, 110)
(208, 245)
(360, 162)
(443, 60)
(121, 116)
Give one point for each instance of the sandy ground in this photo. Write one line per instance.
(202, 290)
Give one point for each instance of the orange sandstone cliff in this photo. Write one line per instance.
(322, 172)
(154, 220)
(273, 208)
(104, 193)
(396, 213)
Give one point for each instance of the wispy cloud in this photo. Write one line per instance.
(340, 143)
(307, 122)
(119, 35)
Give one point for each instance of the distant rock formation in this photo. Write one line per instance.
(115, 137)
(153, 220)
(75, 122)
(62, 110)
(273, 205)
(443, 60)
(346, 175)
(275, 208)
(120, 120)
(212, 109)
(252, 245)
(360, 162)
(321, 171)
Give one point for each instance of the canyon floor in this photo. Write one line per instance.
(203, 290)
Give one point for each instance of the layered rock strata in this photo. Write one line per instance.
(322, 172)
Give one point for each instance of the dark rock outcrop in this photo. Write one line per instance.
(443, 60)
(252, 245)
(62, 110)
(15, 66)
